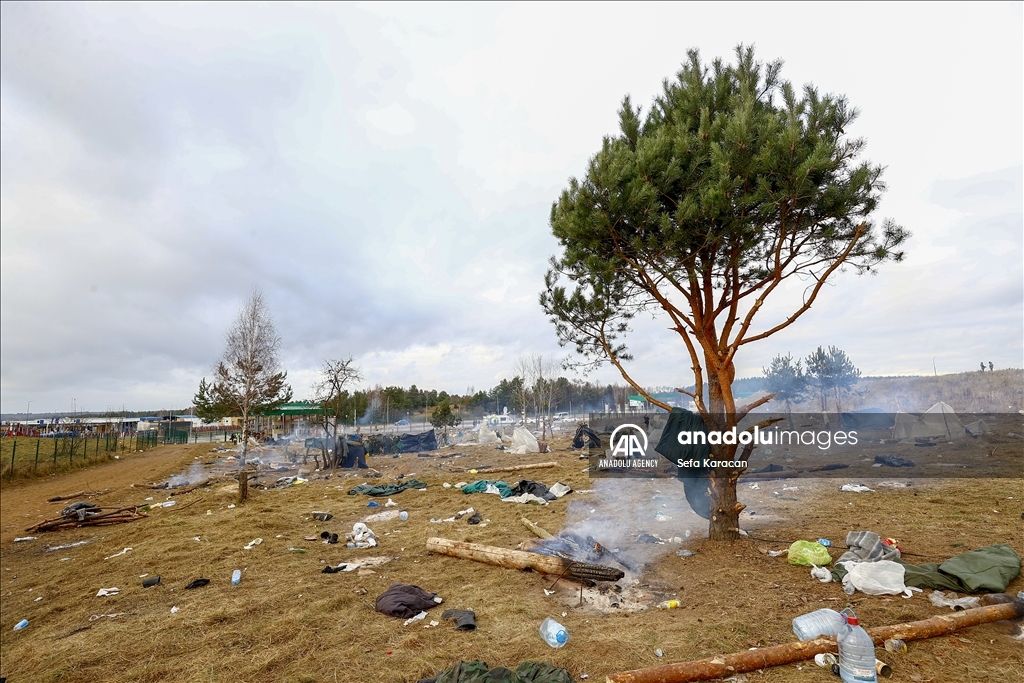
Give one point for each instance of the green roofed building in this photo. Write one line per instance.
(296, 409)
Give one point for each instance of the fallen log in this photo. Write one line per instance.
(510, 468)
(722, 666)
(519, 559)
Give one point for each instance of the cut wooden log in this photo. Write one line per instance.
(518, 559)
(510, 468)
(752, 660)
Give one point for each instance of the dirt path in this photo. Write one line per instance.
(24, 503)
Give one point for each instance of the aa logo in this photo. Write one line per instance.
(629, 441)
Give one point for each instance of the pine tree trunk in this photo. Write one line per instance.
(725, 509)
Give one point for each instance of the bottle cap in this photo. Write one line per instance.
(852, 621)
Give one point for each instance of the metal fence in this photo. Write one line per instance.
(24, 455)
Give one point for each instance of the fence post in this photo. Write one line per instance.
(14, 448)
(37, 454)
(54, 451)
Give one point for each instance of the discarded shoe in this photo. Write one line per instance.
(198, 583)
(465, 619)
(476, 518)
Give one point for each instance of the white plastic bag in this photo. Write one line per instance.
(876, 578)
(939, 599)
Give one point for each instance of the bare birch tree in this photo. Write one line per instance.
(335, 375)
(248, 377)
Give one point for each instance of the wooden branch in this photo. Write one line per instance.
(536, 529)
(787, 474)
(510, 468)
(752, 660)
(519, 559)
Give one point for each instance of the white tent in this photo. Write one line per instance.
(939, 421)
(523, 442)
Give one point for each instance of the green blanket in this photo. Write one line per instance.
(387, 489)
(527, 672)
(988, 569)
(480, 486)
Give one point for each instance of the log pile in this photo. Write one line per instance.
(95, 516)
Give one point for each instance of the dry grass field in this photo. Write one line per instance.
(287, 621)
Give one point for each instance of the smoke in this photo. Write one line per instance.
(196, 475)
(627, 516)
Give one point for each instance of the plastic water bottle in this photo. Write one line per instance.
(24, 622)
(822, 622)
(856, 652)
(403, 515)
(236, 577)
(553, 633)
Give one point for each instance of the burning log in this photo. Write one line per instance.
(518, 559)
(510, 468)
(752, 660)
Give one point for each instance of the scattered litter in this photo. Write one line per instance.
(432, 624)
(476, 518)
(174, 610)
(123, 552)
(547, 592)
(893, 461)
(940, 599)
(685, 553)
(896, 484)
(754, 486)
(807, 553)
(252, 544)
(328, 537)
(385, 516)
(51, 548)
(658, 652)
(38, 599)
(650, 538)
(231, 506)
(150, 581)
(104, 592)
(373, 504)
(196, 538)
(21, 624)
(418, 617)
(322, 516)
(446, 485)
(361, 537)
(390, 503)
(825, 542)
(404, 516)
(458, 515)
(896, 646)
(661, 517)
(197, 583)
(300, 551)
(855, 488)
(464, 619)
(95, 617)
(405, 601)
(777, 553)
(25, 538)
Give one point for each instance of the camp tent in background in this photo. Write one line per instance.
(414, 443)
(940, 421)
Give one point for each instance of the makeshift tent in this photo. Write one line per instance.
(524, 442)
(977, 427)
(586, 438)
(414, 443)
(868, 419)
(487, 435)
(939, 421)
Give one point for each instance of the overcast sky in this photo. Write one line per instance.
(385, 174)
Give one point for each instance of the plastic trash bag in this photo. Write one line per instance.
(808, 553)
(876, 578)
(486, 434)
(939, 599)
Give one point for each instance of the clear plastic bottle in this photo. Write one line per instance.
(822, 622)
(236, 577)
(21, 624)
(668, 604)
(856, 652)
(553, 633)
